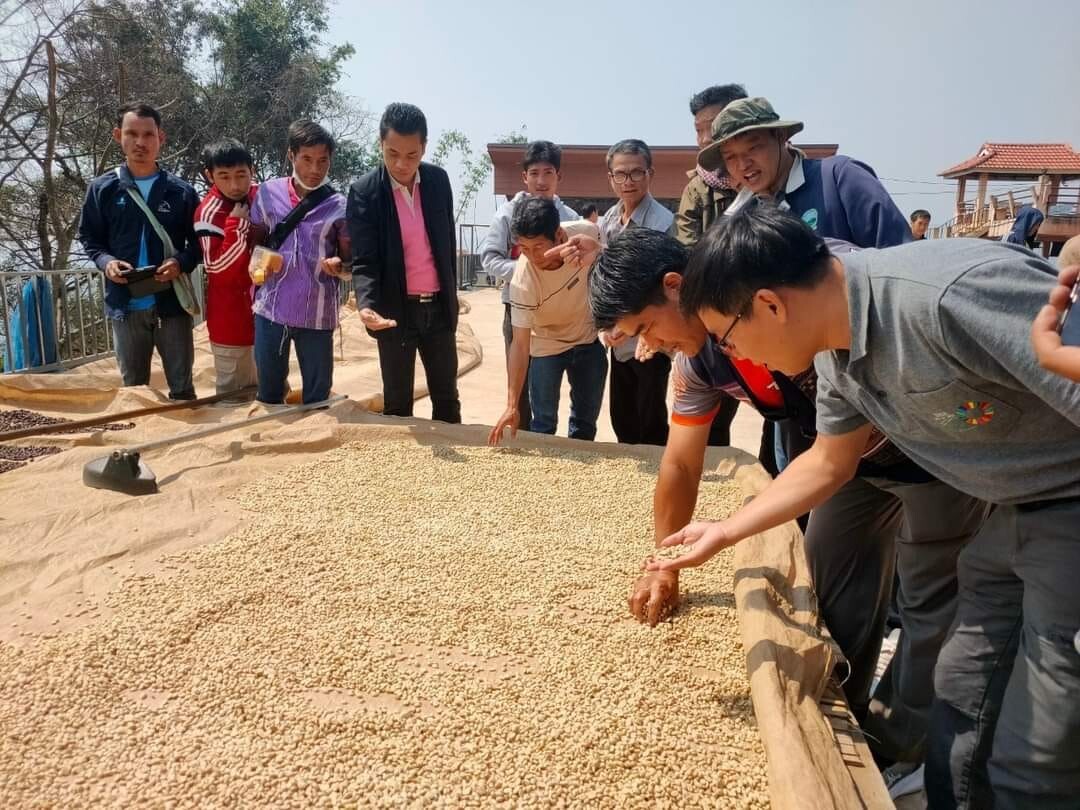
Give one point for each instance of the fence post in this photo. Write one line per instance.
(10, 352)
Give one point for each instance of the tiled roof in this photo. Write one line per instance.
(1026, 158)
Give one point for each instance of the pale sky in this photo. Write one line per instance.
(909, 87)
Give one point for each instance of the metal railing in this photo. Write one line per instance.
(1000, 210)
(55, 320)
(52, 320)
(470, 273)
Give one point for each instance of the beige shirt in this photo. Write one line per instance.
(554, 304)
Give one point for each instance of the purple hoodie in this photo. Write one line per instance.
(301, 294)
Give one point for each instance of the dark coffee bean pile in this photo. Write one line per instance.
(12, 457)
(20, 418)
(11, 453)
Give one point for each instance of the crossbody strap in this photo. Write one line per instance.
(159, 229)
(182, 284)
(288, 225)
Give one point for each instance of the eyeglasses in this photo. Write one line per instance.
(722, 343)
(635, 176)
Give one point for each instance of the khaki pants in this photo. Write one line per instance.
(235, 368)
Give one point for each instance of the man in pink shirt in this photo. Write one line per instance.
(401, 220)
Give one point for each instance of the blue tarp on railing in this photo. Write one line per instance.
(33, 328)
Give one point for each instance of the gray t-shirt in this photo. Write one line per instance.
(941, 362)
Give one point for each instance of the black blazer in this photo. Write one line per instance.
(378, 262)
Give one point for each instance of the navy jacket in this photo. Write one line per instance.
(112, 226)
(378, 257)
(1027, 219)
(841, 198)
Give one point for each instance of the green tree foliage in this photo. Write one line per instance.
(475, 167)
(244, 68)
(271, 68)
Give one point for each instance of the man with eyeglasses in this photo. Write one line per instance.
(841, 198)
(635, 288)
(929, 342)
(638, 396)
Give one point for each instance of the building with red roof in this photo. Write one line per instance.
(1049, 167)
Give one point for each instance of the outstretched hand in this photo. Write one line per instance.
(374, 321)
(510, 419)
(704, 541)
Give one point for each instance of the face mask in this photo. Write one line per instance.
(296, 179)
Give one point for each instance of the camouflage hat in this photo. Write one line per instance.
(738, 118)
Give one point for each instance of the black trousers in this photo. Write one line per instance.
(428, 332)
(524, 409)
(639, 413)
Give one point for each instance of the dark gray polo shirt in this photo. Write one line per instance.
(941, 362)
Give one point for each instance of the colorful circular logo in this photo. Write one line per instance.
(811, 218)
(975, 413)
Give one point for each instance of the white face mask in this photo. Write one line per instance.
(297, 181)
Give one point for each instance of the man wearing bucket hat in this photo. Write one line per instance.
(838, 197)
(841, 198)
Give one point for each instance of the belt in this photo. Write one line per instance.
(424, 298)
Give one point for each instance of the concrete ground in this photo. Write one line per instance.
(483, 390)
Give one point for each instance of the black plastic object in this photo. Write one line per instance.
(120, 471)
(141, 282)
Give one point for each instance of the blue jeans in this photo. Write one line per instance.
(586, 369)
(314, 353)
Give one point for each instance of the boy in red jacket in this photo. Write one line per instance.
(223, 227)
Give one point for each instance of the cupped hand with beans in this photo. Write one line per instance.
(654, 597)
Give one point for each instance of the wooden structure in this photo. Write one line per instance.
(585, 178)
(1049, 167)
